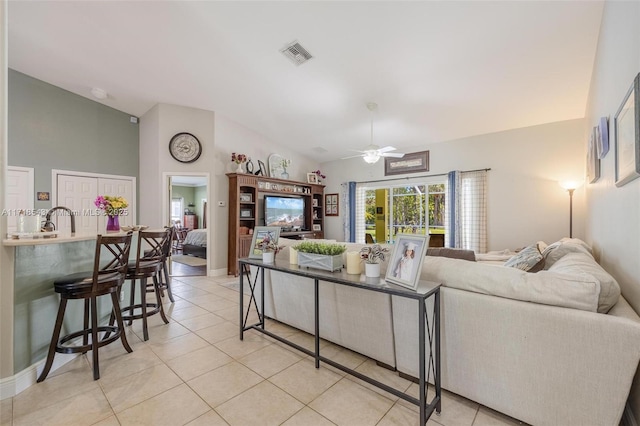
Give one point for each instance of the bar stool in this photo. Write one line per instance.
(163, 275)
(89, 286)
(148, 264)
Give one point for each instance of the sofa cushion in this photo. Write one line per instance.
(582, 264)
(528, 259)
(452, 253)
(554, 252)
(571, 290)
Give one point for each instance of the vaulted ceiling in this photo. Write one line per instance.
(439, 70)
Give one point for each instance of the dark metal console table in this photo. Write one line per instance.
(426, 330)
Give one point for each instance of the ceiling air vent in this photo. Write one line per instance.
(296, 53)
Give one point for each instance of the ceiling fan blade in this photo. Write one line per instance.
(386, 149)
(392, 154)
(352, 156)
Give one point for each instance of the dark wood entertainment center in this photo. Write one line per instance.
(246, 192)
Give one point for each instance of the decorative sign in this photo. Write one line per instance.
(415, 162)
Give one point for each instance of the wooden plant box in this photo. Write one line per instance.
(320, 261)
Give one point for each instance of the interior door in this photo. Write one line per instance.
(77, 193)
(117, 188)
(19, 193)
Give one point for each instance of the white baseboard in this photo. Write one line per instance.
(217, 272)
(13, 385)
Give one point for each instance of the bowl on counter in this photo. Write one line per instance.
(133, 228)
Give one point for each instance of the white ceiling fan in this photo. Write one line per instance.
(373, 152)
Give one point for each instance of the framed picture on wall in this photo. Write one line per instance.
(593, 162)
(331, 205)
(626, 123)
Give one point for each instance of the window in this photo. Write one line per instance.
(177, 207)
(389, 210)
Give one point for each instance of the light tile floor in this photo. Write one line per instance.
(196, 371)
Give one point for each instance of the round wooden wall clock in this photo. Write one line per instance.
(185, 147)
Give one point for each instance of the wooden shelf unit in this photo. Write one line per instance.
(245, 193)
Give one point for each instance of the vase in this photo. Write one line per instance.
(113, 224)
(268, 256)
(239, 168)
(284, 175)
(372, 270)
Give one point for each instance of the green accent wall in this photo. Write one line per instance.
(51, 128)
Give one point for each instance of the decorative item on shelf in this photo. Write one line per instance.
(113, 207)
(239, 159)
(249, 166)
(262, 169)
(285, 163)
(319, 176)
(312, 178)
(372, 256)
(326, 256)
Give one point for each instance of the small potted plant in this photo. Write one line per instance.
(372, 256)
(269, 250)
(327, 256)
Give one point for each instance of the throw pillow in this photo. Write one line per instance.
(528, 259)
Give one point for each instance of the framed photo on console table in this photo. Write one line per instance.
(627, 123)
(263, 234)
(406, 260)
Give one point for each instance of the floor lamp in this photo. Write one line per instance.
(570, 186)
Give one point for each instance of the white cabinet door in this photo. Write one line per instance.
(77, 193)
(19, 195)
(117, 187)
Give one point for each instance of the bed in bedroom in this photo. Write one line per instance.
(195, 243)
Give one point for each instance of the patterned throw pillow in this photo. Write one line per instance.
(528, 259)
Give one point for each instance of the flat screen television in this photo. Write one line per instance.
(285, 212)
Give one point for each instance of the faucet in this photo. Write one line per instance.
(49, 226)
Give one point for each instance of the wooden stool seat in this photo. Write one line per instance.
(105, 280)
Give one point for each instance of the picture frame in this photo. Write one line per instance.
(246, 213)
(331, 205)
(627, 136)
(262, 169)
(314, 203)
(317, 227)
(602, 142)
(312, 178)
(259, 235)
(415, 162)
(404, 268)
(275, 166)
(246, 197)
(593, 162)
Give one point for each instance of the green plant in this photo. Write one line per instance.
(373, 253)
(329, 249)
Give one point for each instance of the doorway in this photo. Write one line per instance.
(185, 206)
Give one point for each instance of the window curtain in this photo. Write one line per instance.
(349, 211)
(467, 210)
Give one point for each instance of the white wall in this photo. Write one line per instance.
(612, 221)
(525, 202)
(219, 137)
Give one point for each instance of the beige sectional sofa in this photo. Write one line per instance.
(538, 347)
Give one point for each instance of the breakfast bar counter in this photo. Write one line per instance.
(36, 263)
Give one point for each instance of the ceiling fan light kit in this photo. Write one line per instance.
(373, 152)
